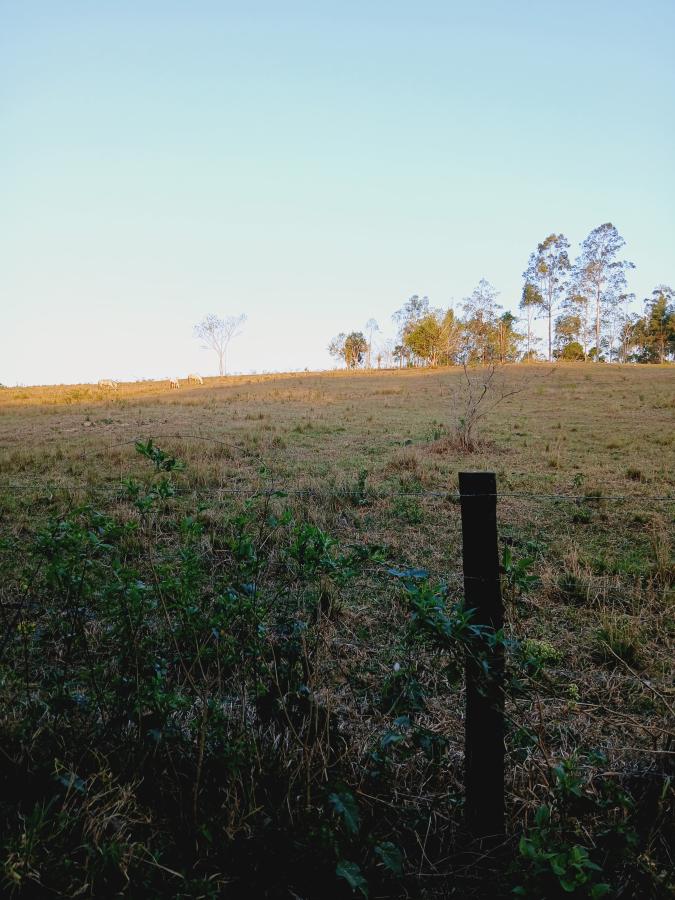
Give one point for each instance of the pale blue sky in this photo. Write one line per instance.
(309, 164)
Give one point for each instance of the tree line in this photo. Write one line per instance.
(585, 305)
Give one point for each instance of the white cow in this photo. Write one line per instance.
(196, 378)
(108, 384)
(174, 384)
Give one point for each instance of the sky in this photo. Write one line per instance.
(311, 165)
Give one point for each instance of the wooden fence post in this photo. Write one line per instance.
(484, 720)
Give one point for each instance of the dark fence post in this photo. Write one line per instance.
(484, 722)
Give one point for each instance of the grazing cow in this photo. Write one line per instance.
(108, 384)
(196, 378)
(174, 384)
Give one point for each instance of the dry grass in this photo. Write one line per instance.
(582, 430)
(605, 600)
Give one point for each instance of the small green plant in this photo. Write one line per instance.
(517, 576)
(581, 515)
(556, 867)
(555, 861)
(535, 656)
(409, 510)
(162, 461)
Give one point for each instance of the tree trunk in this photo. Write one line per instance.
(597, 327)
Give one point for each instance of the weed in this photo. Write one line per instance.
(537, 655)
(634, 474)
(409, 510)
(618, 640)
(572, 589)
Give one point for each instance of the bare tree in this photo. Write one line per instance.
(371, 328)
(216, 333)
(481, 391)
(387, 353)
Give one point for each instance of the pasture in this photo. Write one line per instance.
(340, 721)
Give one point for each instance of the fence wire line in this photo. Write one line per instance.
(370, 494)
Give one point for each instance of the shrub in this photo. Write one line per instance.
(572, 352)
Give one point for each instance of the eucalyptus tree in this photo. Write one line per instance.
(530, 301)
(629, 336)
(579, 305)
(414, 309)
(548, 272)
(600, 275)
(614, 318)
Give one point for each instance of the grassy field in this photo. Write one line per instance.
(353, 782)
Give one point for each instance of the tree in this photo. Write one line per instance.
(547, 272)
(356, 347)
(629, 337)
(480, 392)
(413, 310)
(508, 338)
(572, 352)
(656, 329)
(216, 333)
(371, 328)
(530, 301)
(578, 305)
(350, 348)
(400, 354)
(423, 338)
(615, 317)
(599, 274)
(336, 348)
(387, 353)
(452, 338)
(567, 330)
(436, 339)
(480, 310)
